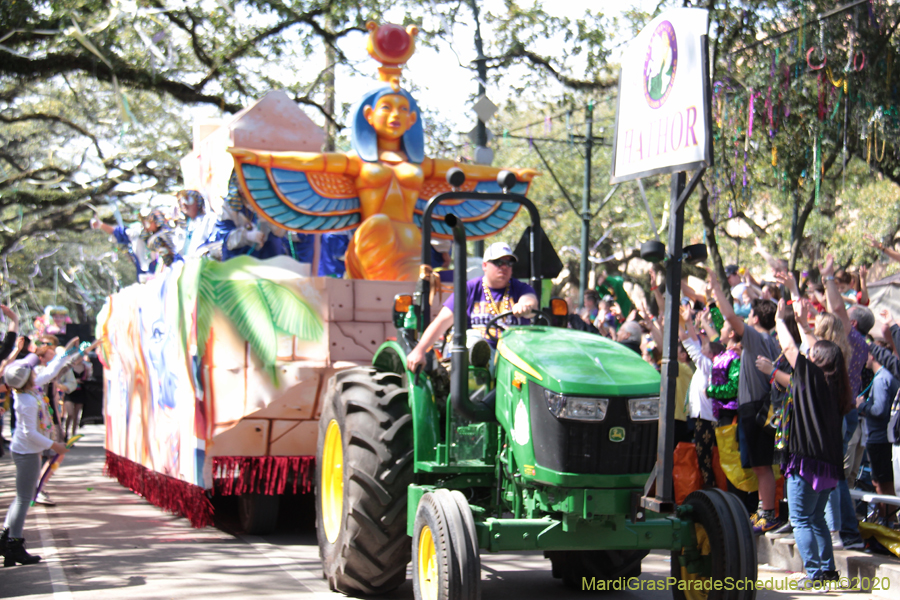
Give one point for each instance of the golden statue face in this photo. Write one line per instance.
(391, 117)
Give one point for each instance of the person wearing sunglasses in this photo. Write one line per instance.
(486, 297)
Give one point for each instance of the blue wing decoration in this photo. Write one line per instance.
(482, 218)
(300, 201)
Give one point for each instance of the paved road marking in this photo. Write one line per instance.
(310, 581)
(50, 556)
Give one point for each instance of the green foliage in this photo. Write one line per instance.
(259, 309)
(622, 223)
(102, 117)
(805, 124)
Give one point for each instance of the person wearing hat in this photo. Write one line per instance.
(28, 444)
(486, 297)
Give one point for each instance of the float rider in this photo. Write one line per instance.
(486, 297)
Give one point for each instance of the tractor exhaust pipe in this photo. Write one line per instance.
(459, 354)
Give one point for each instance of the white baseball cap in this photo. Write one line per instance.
(499, 250)
(18, 373)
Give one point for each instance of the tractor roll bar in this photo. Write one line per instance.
(459, 354)
(534, 242)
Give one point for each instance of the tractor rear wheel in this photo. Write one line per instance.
(573, 565)
(446, 564)
(364, 465)
(725, 550)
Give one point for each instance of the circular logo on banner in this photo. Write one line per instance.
(660, 65)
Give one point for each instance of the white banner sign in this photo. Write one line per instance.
(661, 119)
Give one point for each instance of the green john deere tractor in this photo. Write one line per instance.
(551, 449)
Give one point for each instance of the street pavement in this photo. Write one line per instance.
(101, 541)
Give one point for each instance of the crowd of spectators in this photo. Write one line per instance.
(797, 370)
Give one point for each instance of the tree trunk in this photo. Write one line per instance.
(328, 80)
(805, 211)
(712, 243)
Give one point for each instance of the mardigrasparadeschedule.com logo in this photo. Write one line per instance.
(708, 584)
(660, 65)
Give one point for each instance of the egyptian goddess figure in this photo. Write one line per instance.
(381, 188)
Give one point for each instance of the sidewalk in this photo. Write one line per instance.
(781, 553)
(101, 541)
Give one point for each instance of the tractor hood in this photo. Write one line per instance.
(575, 362)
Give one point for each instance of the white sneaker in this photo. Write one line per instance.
(836, 542)
(43, 498)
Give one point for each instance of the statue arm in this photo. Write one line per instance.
(438, 167)
(316, 162)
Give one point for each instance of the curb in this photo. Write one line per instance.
(781, 553)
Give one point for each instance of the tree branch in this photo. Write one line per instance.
(55, 119)
(61, 63)
(519, 52)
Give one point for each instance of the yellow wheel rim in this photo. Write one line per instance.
(332, 484)
(696, 591)
(427, 565)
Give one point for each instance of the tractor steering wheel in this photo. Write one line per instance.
(493, 323)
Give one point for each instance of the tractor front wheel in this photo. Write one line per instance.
(723, 550)
(364, 466)
(445, 549)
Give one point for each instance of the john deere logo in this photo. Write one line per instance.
(660, 65)
(617, 434)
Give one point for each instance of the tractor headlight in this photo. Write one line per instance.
(644, 409)
(579, 408)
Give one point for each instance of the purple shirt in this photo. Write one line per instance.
(479, 309)
(811, 471)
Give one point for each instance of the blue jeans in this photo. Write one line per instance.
(28, 471)
(810, 529)
(834, 512)
(848, 525)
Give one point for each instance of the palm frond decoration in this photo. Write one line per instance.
(259, 308)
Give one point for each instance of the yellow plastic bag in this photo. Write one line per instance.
(730, 460)
(888, 538)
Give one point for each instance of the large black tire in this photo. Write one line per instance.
(745, 543)
(258, 513)
(469, 559)
(365, 548)
(573, 565)
(446, 565)
(725, 541)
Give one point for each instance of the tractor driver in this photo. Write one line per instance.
(486, 297)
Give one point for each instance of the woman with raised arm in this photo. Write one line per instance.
(29, 442)
(813, 462)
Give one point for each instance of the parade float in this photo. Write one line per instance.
(215, 371)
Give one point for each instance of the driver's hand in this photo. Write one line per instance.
(416, 358)
(523, 309)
